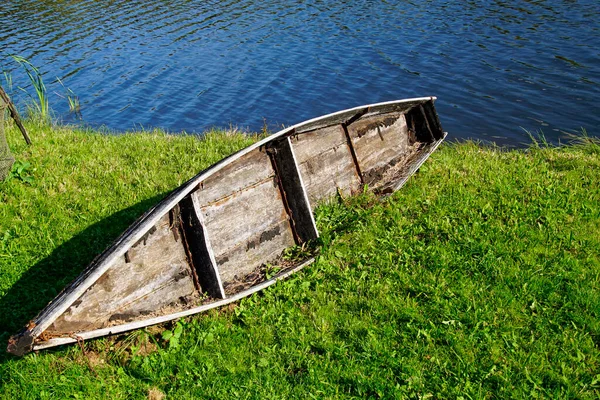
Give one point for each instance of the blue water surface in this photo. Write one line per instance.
(498, 68)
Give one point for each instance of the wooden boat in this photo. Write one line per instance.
(203, 246)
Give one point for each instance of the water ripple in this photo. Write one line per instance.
(497, 67)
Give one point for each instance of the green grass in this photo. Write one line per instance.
(480, 279)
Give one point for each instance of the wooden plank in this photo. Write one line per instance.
(325, 163)
(347, 116)
(153, 274)
(310, 144)
(433, 120)
(334, 119)
(294, 192)
(247, 229)
(379, 142)
(247, 221)
(423, 123)
(261, 248)
(395, 107)
(234, 219)
(198, 243)
(246, 171)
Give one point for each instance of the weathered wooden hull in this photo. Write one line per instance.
(190, 252)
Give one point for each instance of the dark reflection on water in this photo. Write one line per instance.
(497, 67)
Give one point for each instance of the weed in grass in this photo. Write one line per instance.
(172, 336)
(300, 252)
(21, 171)
(271, 270)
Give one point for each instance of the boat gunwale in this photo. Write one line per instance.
(138, 228)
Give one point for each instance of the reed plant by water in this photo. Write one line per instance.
(72, 98)
(40, 104)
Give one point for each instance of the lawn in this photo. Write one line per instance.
(480, 279)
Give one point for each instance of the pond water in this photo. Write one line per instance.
(498, 68)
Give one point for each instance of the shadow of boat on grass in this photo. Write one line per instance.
(44, 281)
